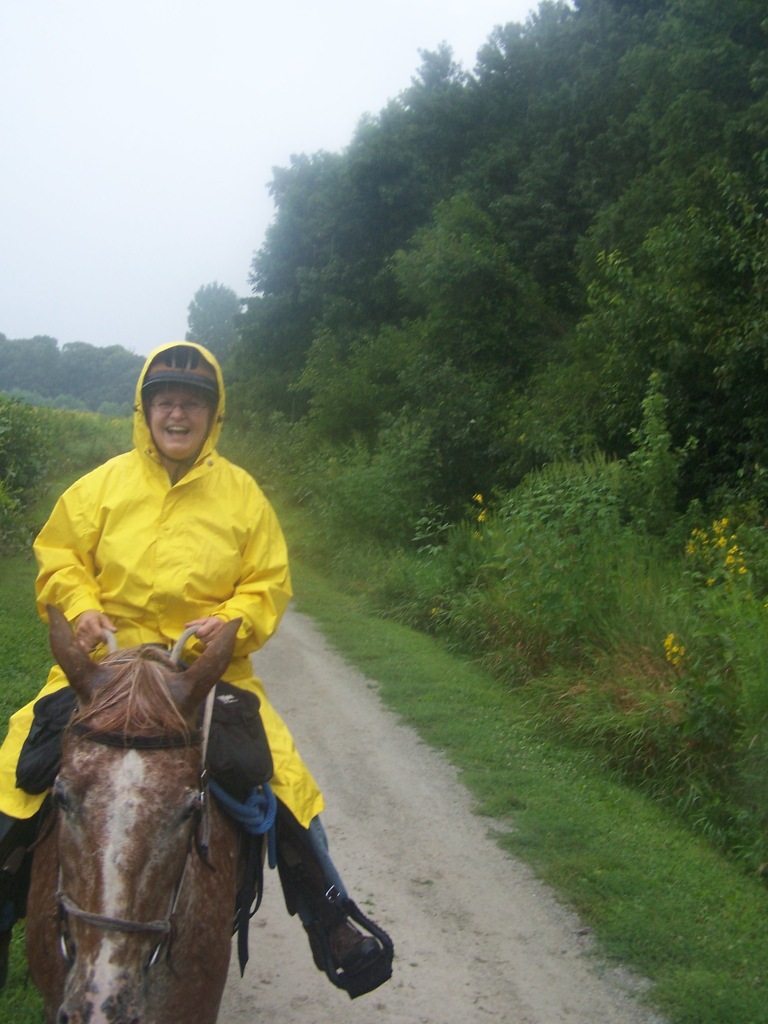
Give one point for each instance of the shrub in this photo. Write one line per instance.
(13, 530)
(25, 446)
(35, 440)
(376, 495)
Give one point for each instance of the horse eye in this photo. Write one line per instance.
(60, 794)
(191, 804)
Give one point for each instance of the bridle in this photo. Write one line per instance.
(67, 907)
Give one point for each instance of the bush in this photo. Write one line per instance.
(25, 447)
(536, 577)
(32, 441)
(85, 439)
(359, 494)
(14, 532)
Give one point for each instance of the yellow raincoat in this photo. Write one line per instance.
(152, 556)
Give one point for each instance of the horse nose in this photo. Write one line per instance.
(86, 1016)
(65, 1016)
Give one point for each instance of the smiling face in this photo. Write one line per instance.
(179, 419)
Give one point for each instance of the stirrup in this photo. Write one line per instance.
(376, 968)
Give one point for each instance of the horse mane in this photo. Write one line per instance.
(133, 695)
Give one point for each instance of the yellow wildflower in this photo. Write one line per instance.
(674, 652)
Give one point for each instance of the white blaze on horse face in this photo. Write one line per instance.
(125, 806)
(126, 816)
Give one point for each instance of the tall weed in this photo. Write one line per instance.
(25, 446)
(14, 530)
(371, 495)
(545, 567)
(81, 440)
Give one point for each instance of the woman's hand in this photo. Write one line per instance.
(205, 629)
(91, 629)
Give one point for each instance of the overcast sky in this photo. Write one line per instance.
(139, 137)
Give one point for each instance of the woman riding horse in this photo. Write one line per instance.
(168, 536)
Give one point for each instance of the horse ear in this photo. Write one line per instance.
(198, 679)
(77, 666)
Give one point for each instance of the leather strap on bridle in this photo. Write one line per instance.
(67, 908)
(128, 742)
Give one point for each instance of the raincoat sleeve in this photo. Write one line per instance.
(64, 551)
(263, 590)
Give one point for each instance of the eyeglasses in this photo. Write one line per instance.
(191, 408)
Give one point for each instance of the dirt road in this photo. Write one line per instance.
(477, 937)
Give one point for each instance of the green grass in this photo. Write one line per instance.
(25, 661)
(25, 656)
(658, 898)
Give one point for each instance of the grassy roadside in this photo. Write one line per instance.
(659, 899)
(25, 661)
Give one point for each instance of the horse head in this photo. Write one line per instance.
(132, 900)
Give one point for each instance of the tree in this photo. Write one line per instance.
(690, 304)
(214, 318)
(500, 259)
(78, 375)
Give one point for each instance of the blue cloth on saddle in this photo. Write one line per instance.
(256, 815)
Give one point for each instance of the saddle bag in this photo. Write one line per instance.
(40, 757)
(239, 758)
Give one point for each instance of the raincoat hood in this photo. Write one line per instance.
(142, 436)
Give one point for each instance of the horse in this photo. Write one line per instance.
(134, 877)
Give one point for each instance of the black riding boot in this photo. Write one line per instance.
(16, 836)
(354, 961)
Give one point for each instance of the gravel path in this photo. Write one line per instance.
(477, 937)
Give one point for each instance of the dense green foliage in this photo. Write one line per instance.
(508, 349)
(25, 448)
(75, 376)
(25, 662)
(500, 259)
(38, 442)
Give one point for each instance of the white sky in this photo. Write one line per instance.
(139, 136)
